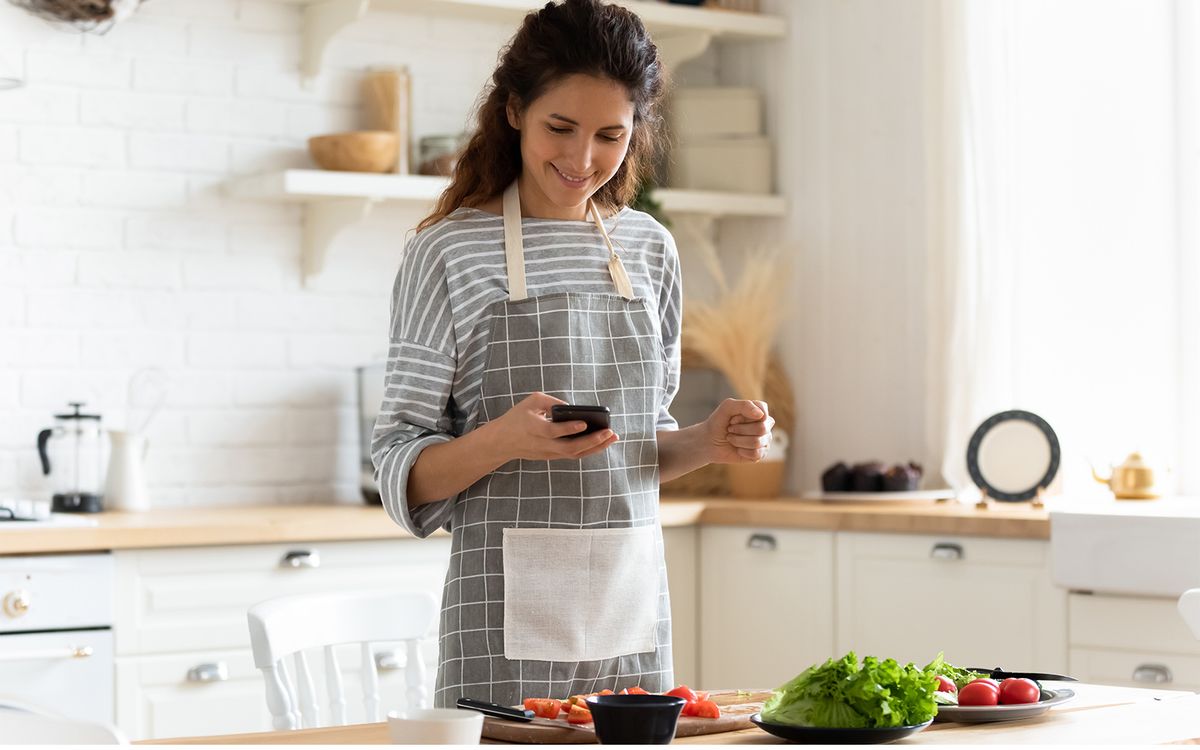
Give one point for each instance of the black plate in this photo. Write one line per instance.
(833, 736)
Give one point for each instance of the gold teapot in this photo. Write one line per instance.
(1132, 480)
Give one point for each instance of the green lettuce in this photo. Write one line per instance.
(960, 677)
(840, 693)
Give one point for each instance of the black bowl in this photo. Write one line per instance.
(635, 719)
(836, 736)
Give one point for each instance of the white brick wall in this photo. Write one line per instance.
(118, 249)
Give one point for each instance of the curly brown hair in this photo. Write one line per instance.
(562, 39)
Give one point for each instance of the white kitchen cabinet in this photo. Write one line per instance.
(184, 608)
(681, 553)
(1132, 641)
(766, 605)
(984, 602)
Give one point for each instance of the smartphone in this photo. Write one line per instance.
(596, 417)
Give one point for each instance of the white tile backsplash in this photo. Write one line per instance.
(119, 249)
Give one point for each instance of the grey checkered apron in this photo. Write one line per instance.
(576, 515)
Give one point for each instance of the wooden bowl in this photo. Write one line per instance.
(358, 151)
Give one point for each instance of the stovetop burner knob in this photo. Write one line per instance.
(17, 603)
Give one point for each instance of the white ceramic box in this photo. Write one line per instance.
(737, 165)
(699, 113)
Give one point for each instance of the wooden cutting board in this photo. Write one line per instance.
(736, 709)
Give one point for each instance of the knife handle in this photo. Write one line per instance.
(495, 709)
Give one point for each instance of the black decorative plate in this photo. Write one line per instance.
(1019, 456)
(836, 736)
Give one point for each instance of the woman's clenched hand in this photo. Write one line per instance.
(739, 431)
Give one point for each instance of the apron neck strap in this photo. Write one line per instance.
(514, 249)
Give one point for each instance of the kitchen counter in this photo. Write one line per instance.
(293, 523)
(1099, 714)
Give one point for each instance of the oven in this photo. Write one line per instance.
(56, 645)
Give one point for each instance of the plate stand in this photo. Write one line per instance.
(1036, 502)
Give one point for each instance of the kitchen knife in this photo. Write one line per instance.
(509, 713)
(1000, 674)
(496, 710)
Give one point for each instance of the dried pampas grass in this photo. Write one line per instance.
(735, 334)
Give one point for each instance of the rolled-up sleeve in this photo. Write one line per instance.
(419, 379)
(670, 305)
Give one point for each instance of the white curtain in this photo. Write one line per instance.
(1055, 252)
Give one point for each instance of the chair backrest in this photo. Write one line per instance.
(1189, 607)
(23, 724)
(289, 625)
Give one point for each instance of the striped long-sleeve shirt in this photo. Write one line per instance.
(449, 278)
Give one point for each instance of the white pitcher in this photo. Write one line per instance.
(126, 488)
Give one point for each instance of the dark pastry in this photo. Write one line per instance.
(902, 478)
(867, 477)
(836, 478)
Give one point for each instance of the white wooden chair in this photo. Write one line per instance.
(24, 724)
(289, 625)
(1189, 607)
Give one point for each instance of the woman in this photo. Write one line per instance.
(533, 284)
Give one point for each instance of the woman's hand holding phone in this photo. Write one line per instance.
(526, 432)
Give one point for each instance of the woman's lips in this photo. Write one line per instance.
(570, 182)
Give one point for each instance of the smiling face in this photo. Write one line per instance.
(573, 140)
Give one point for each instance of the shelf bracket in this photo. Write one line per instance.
(323, 222)
(323, 21)
(678, 49)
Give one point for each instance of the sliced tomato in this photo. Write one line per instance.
(683, 691)
(705, 709)
(547, 708)
(702, 695)
(605, 691)
(579, 715)
(637, 690)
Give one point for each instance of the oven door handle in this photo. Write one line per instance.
(67, 652)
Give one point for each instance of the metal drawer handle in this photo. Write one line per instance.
(302, 558)
(762, 541)
(211, 672)
(946, 551)
(1157, 674)
(389, 661)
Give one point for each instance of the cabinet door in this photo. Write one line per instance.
(766, 604)
(173, 600)
(680, 543)
(1132, 641)
(983, 602)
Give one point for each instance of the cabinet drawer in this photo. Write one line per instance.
(156, 699)
(171, 600)
(1144, 669)
(766, 605)
(1129, 623)
(220, 692)
(896, 591)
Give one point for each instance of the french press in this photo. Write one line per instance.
(74, 461)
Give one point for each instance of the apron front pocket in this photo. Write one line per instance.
(580, 594)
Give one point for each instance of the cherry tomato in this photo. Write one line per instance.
(946, 685)
(979, 693)
(1019, 690)
(988, 680)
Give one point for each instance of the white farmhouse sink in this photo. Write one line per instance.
(1148, 548)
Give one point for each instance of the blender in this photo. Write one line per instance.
(71, 454)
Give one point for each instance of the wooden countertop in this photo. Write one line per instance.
(1099, 714)
(294, 523)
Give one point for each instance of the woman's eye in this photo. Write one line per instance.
(558, 131)
(612, 138)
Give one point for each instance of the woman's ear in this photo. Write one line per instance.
(513, 111)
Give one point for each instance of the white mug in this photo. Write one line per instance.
(435, 726)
